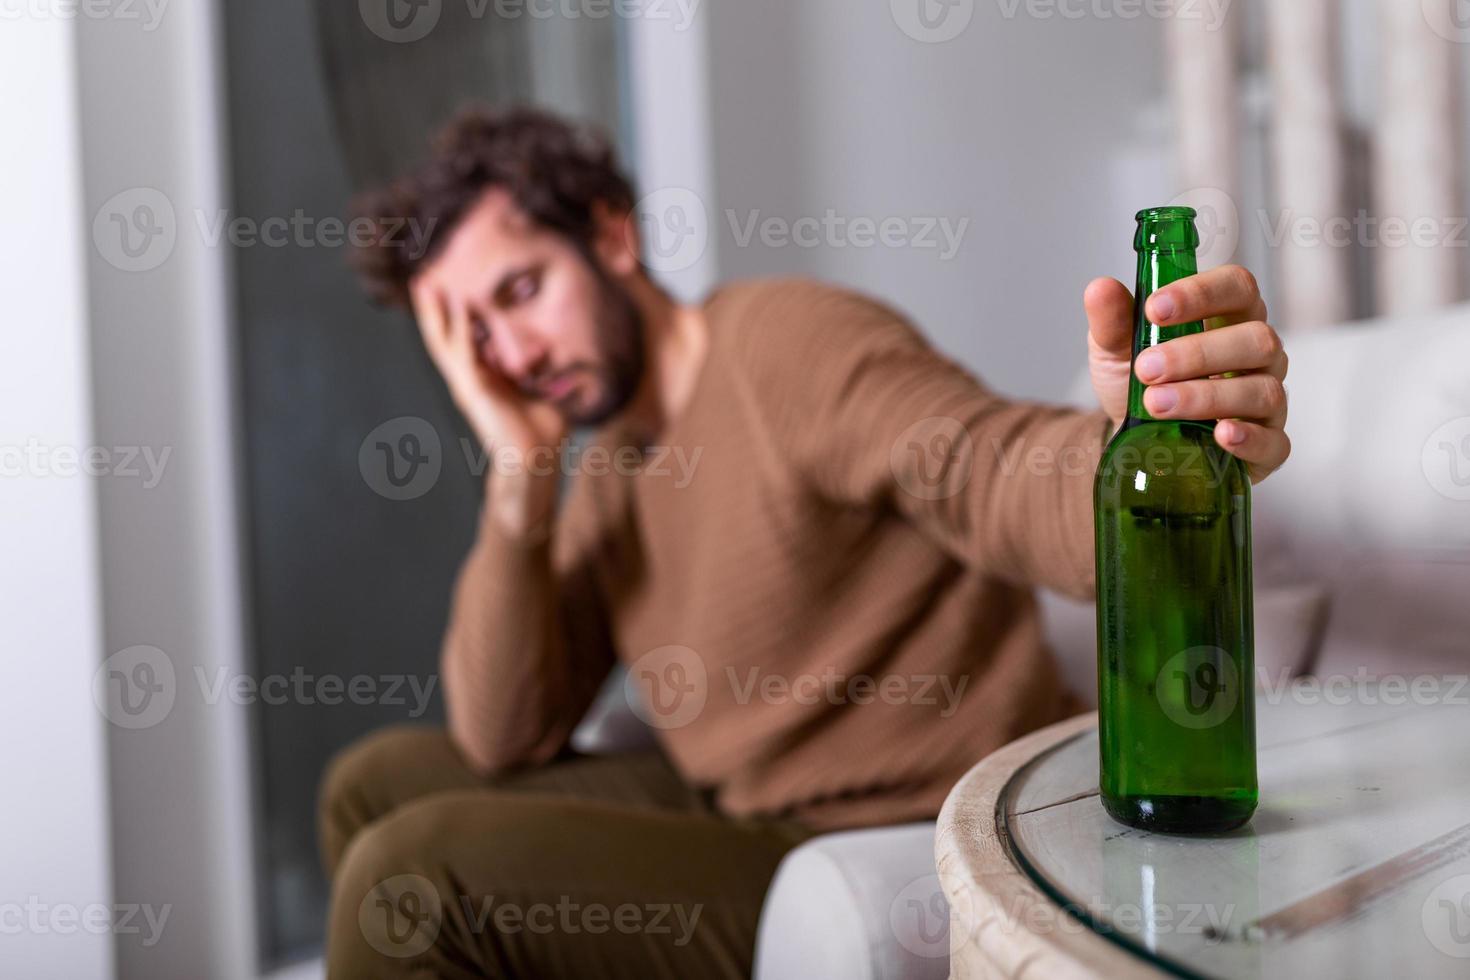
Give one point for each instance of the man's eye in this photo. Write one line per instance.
(524, 287)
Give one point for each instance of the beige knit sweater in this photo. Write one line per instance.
(820, 575)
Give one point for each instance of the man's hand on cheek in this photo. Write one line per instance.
(1186, 376)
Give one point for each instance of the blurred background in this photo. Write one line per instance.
(224, 561)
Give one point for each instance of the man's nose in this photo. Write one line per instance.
(520, 352)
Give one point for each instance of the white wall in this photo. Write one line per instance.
(669, 92)
(1014, 124)
(53, 821)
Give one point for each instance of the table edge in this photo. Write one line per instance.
(991, 899)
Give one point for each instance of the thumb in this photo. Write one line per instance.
(1109, 307)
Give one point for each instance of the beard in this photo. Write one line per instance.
(622, 362)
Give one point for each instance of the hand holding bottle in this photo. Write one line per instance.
(1232, 372)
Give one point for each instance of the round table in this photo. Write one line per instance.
(1356, 864)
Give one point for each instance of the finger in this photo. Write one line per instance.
(1252, 346)
(1109, 307)
(1229, 292)
(1249, 396)
(1262, 448)
(462, 336)
(429, 313)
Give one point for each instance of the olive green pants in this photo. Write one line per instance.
(591, 866)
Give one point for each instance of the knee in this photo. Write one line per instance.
(387, 907)
(396, 896)
(354, 789)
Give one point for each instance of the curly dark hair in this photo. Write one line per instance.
(555, 171)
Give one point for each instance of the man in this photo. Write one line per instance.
(828, 609)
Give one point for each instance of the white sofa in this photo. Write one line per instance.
(1362, 556)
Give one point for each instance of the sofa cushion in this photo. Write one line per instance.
(856, 905)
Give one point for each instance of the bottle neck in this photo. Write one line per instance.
(1157, 268)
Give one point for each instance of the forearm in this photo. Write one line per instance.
(512, 691)
(1031, 502)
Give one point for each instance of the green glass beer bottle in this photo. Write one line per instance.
(1176, 709)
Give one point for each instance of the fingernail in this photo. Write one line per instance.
(1162, 307)
(1150, 365)
(1163, 399)
(1234, 435)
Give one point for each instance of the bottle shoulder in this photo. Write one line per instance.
(1169, 458)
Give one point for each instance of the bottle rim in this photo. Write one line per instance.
(1170, 213)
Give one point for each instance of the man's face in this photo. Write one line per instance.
(546, 316)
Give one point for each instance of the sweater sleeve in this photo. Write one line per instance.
(528, 645)
(868, 414)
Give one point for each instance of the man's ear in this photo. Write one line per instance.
(616, 240)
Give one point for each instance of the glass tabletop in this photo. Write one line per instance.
(1356, 864)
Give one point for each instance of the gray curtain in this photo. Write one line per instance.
(388, 97)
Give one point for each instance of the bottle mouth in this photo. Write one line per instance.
(1175, 213)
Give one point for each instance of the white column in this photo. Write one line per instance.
(669, 101)
(1308, 163)
(1205, 94)
(55, 866)
(1415, 159)
(151, 101)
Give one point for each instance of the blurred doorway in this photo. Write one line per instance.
(349, 577)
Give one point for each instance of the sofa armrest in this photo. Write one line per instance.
(611, 725)
(856, 905)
